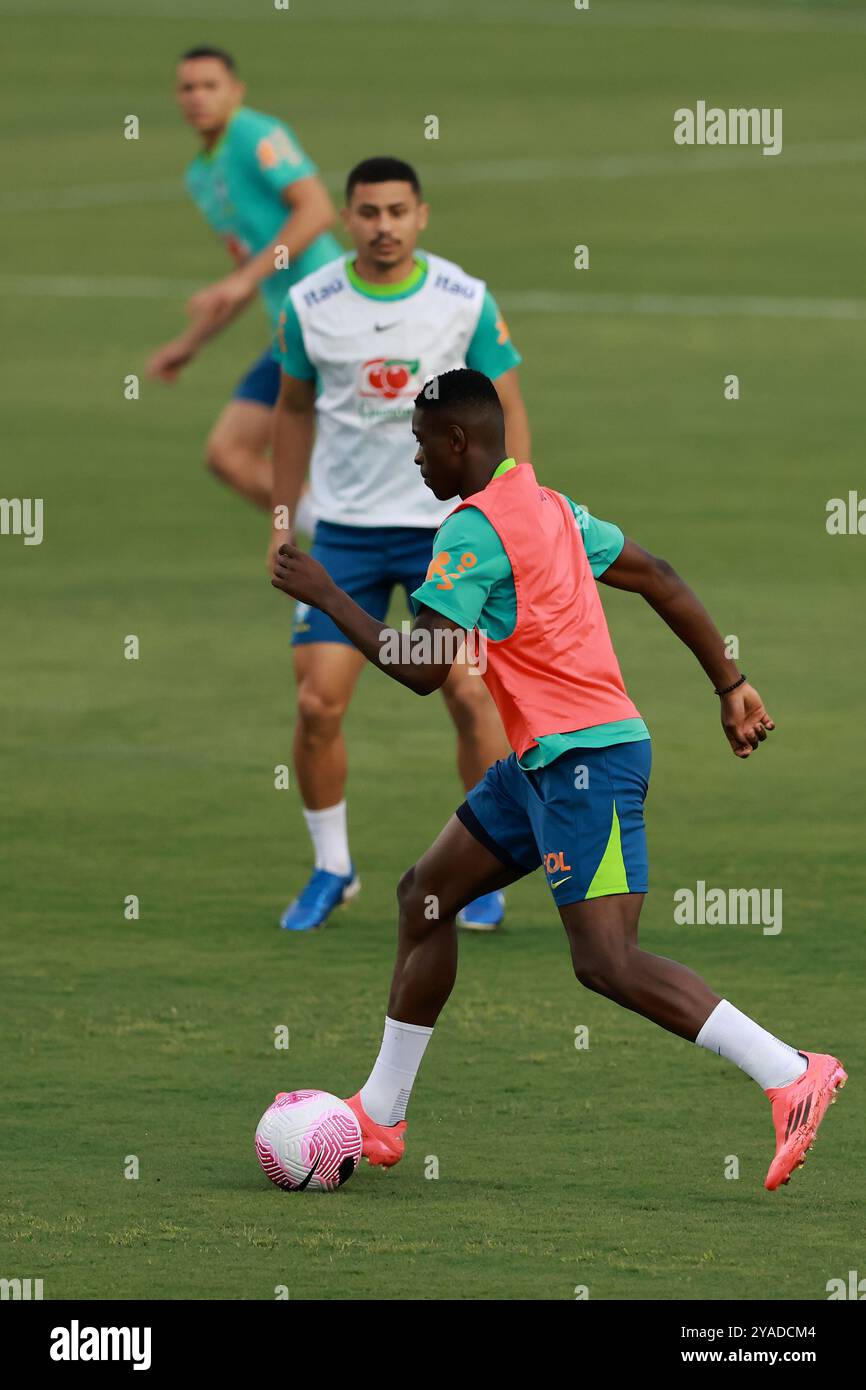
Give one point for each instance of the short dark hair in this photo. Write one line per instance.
(462, 387)
(382, 168)
(205, 51)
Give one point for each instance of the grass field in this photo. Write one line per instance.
(154, 1038)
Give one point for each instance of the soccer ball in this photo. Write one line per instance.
(308, 1140)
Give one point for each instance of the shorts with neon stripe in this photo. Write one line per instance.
(581, 818)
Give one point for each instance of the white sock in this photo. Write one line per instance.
(330, 838)
(386, 1093)
(755, 1051)
(305, 520)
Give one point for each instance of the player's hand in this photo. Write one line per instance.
(165, 364)
(745, 721)
(278, 538)
(298, 574)
(217, 303)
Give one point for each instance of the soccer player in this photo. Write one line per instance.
(260, 192)
(570, 796)
(356, 341)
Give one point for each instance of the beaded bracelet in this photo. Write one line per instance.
(728, 688)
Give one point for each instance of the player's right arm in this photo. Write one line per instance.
(744, 718)
(292, 446)
(294, 425)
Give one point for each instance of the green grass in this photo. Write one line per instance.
(154, 1038)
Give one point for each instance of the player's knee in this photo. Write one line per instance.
(218, 458)
(405, 889)
(599, 969)
(418, 904)
(319, 713)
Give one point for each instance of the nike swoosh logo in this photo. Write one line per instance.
(301, 1185)
(383, 327)
(561, 880)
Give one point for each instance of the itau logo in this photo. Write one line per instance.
(389, 378)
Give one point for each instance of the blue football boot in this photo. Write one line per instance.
(315, 903)
(484, 913)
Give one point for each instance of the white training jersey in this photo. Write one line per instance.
(371, 357)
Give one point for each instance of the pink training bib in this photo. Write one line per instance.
(557, 672)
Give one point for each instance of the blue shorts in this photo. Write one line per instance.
(261, 383)
(366, 561)
(581, 817)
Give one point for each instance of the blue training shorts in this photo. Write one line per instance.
(581, 817)
(366, 561)
(261, 383)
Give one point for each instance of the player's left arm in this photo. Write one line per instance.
(304, 578)
(492, 352)
(517, 438)
(744, 719)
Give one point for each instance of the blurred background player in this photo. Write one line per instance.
(357, 340)
(260, 192)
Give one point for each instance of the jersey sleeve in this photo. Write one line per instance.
(279, 159)
(491, 350)
(467, 561)
(602, 539)
(289, 348)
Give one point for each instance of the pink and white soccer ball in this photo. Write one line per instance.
(308, 1141)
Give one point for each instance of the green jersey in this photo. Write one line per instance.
(239, 186)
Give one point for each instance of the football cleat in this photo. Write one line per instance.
(484, 913)
(381, 1145)
(798, 1109)
(314, 904)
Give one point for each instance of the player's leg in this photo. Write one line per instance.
(327, 667)
(589, 814)
(600, 901)
(602, 935)
(238, 447)
(801, 1086)
(481, 742)
(325, 675)
(237, 450)
(485, 846)
(481, 738)
(456, 868)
